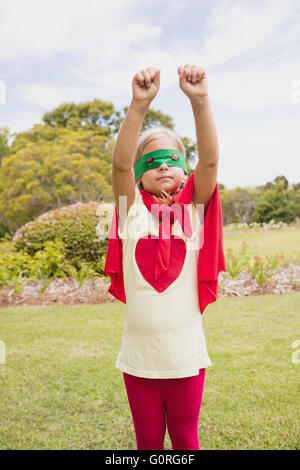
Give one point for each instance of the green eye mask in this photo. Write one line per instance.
(153, 159)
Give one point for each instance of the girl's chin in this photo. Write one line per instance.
(166, 182)
(167, 186)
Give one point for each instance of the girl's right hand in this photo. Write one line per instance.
(145, 85)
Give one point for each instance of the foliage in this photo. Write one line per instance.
(295, 198)
(84, 272)
(262, 269)
(32, 256)
(236, 263)
(17, 268)
(75, 225)
(4, 145)
(262, 204)
(66, 159)
(275, 204)
(238, 205)
(45, 175)
(4, 230)
(13, 263)
(96, 116)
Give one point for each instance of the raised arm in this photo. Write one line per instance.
(193, 82)
(145, 86)
(123, 180)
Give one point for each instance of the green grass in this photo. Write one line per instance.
(60, 388)
(268, 243)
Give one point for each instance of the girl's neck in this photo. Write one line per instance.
(164, 199)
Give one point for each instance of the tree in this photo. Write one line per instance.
(99, 116)
(238, 205)
(66, 160)
(295, 197)
(268, 185)
(275, 204)
(4, 145)
(45, 175)
(282, 180)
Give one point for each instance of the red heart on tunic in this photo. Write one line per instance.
(145, 258)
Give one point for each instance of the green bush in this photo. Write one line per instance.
(13, 263)
(3, 230)
(17, 268)
(76, 226)
(70, 241)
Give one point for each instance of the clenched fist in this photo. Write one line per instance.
(145, 85)
(193, 81)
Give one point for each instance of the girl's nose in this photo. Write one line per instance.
(163, 165)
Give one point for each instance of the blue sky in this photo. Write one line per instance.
(69, 50)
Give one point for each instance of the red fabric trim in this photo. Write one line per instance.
(211, 256)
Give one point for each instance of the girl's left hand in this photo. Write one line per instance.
(193, 81)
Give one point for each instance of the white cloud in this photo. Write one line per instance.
(20, 122)
(244, 38)
(257, 153)
(250, 42)
(41, 95)
(256, 86)
(41, 29)
(47, 96)
(234, 28)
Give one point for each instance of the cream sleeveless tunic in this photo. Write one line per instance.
(163, 335)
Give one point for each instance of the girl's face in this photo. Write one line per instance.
(155, 181)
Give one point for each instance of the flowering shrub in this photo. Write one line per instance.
(261, 268)
(234, 264)
(238, 262)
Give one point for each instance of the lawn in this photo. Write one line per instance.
(268, 242)
(60, 388)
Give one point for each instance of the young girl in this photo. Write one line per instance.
(159, 265)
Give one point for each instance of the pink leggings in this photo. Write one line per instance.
(158, 403)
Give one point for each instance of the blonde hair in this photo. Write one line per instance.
(153, 133)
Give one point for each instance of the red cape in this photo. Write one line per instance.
(211, 256)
